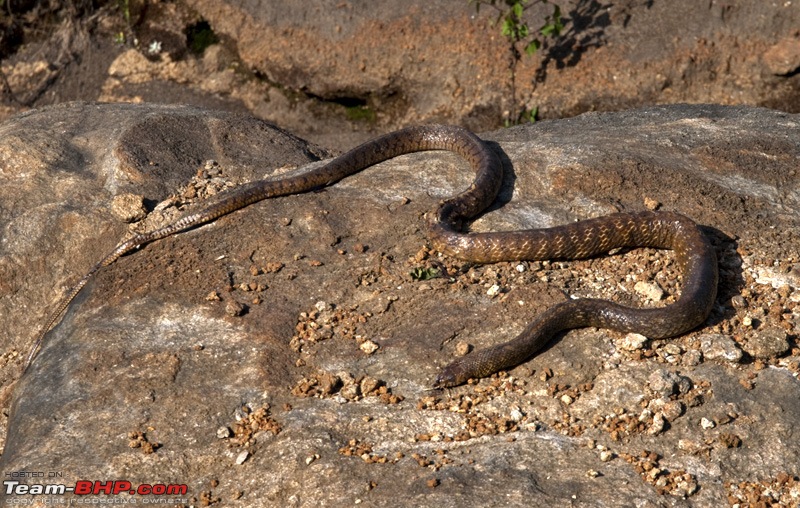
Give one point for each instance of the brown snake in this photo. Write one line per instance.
(663, 230)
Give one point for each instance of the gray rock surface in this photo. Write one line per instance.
(281, 355)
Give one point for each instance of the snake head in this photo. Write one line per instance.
(451, 375)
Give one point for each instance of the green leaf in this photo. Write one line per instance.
(532, 114)
(533, 47)
(516, 9)
(508, 28)
(554, 24)
(420, 273)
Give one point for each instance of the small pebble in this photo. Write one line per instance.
(351, 391)
(738, 302)
(368, 347)
(633, 342)
(243, 455)
(663, 382)
(706, 424)
(463, 348)
(684, 487)
(234, 308)
(651, 204)
(673, 409)
(716, 346)
(768, 343)
(659, 423)
(692, 358)
(684, 384)
(650, 290)
(369, 385)
(606, 455)
(223, 432)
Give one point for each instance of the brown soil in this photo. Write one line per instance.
(166, 52)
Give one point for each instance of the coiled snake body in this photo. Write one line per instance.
(664, 230)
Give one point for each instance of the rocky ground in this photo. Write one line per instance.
(284, 353)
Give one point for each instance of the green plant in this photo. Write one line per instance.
(525, 115)
(516, 29)
(531, 114)
(522, 40)
(420, 273)
(124, 35)
(125, 7)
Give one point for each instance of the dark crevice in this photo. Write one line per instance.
(199, 36)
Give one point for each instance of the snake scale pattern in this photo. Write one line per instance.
(663, 230)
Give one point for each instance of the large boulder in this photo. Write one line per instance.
(283, 354)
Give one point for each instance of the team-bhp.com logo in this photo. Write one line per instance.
(94, 488)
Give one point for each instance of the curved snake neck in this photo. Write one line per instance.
(664, 230)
